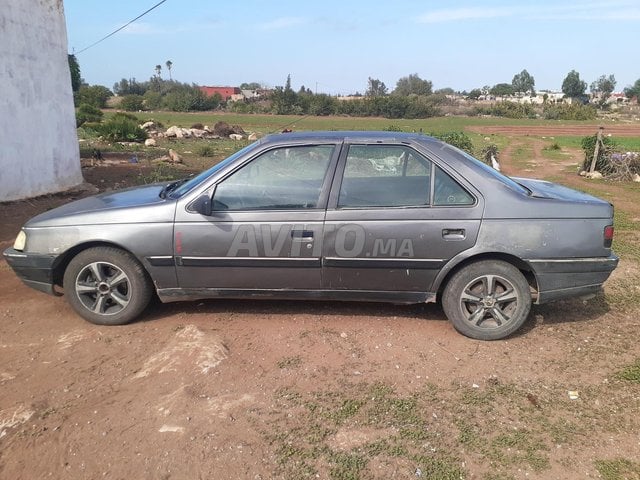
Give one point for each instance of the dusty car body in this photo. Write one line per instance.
(366, 216)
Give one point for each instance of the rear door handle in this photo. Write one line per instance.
(453, 234)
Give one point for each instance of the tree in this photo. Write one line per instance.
(169, 64)
(523, 82)
(129, 87)
(74, 69)
(446, 91)
(375, 88)
(474, 94)
(284, 98)
(413, 84)
(132, 103)
(251, 86)
(603, 87)
(95, 95)
(502, 90)
(633, 91)
(158, 70)
(572, 86)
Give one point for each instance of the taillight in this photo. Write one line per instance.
(608, 236)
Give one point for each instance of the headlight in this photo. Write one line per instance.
(20, 242)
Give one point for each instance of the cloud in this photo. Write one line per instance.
(621, 10)
(282, 22)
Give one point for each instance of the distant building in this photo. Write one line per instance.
(227, 93)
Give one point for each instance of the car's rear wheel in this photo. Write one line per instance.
(107, 286)
(487, 300)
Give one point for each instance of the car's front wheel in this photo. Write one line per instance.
(487, 300)
(107, 286)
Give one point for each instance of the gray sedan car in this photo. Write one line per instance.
(360, 216)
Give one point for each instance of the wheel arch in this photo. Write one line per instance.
(62, 262)
(450, 270)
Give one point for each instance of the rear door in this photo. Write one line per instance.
(394, 218)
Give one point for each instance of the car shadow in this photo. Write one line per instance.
(555, 313)
(158, 310)
(572, 310)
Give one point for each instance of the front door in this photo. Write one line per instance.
(265, 230)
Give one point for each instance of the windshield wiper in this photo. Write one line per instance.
(170, 187)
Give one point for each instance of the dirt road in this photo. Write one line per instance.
(260, 390)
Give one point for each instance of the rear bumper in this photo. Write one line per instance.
(35, 271)
(571, 277)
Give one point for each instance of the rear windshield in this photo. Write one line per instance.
(493, 172)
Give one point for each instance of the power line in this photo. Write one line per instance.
(124, 26)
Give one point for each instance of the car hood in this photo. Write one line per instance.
(134, 205)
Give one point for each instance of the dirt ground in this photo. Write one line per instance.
(263, 389)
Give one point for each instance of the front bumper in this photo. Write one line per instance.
(35, 270)
(571, 277)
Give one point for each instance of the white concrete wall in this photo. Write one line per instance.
(38, 143)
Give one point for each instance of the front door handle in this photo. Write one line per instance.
(302, 234)
(453, 234)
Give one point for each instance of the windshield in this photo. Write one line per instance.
(187, 186)
(493, 172)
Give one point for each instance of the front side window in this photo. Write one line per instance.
(385, 176)
(282, 178)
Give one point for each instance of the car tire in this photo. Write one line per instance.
(487, 300)
(107, 286)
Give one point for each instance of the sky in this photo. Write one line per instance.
(335, 46)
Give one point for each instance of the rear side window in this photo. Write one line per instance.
(385, 176)
(448, 192)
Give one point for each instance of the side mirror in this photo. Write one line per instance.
(202, 204)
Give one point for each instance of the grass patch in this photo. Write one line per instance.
(289, 362)
(630, 373)
(618, 469)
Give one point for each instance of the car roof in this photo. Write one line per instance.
(357, 136)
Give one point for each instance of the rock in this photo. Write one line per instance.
(583, 173)
(594, 175)
(174, 157)
(148, 125)
(173, 131)
(197, 132)
(150, 142)
(207, 129)
(235, 136)
(223, 129)
(636, 178)
(186, 133)
(253, 137)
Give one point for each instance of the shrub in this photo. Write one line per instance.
(132, 103)
(87, 113)
(563, 111)
(122, 127)
(589, 146)
(152, 100)
(457, 139)
(95, 95)
(186, 98)
(197, 126)
(507, 109)
(206, 151)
